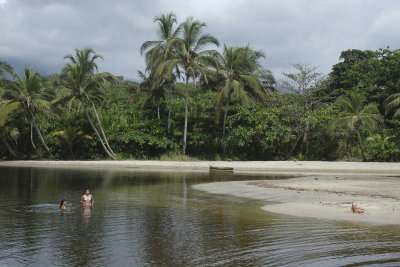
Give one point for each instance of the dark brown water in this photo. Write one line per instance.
(157, 219)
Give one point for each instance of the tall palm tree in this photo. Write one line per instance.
(83, 88)
(154, 49)
(355, 114)
(237, 66)
(165, 33)
(188, 53)
(27, 91)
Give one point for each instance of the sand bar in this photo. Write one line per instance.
(324, 197)
(261, 167)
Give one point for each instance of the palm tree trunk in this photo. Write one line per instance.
(101, 129)
(70, 151)
(33, 143)
(38, 131)
(169, 107)
(4, 140)
(186, 115)
(360, 144)
(158, 108)
(97, 133)
(224, 126)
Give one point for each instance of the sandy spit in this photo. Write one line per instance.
(256, 167)
(324, 197)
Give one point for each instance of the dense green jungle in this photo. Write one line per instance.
(202, 100)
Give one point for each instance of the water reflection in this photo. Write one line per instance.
(158, 219)
(86, 212)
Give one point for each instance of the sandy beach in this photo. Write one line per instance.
(253, 167)
(322, 190)
(324, 197)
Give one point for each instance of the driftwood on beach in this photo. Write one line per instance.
(226, 169)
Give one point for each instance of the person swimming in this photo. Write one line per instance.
(87, 199)
(63, 205)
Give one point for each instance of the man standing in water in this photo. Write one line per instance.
(87, 199)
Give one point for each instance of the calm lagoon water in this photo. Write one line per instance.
(157, 219)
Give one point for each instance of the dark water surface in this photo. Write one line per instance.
(157, 219)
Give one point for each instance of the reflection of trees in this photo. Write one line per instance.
(139, 217)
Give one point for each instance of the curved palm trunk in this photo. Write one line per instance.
(38, 131)
(224, 126)
(101, 129)
(186, 115)
(360, 144)
(9, 148)
(97, 134)
(33, 143)
(169, 107)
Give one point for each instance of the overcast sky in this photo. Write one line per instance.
(42, 32)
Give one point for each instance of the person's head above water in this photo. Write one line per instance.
(62, 203)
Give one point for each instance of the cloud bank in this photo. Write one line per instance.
(42, 32)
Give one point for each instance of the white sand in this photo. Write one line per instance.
(328, 197)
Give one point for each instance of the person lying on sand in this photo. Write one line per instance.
(87, 199)
(354, 209)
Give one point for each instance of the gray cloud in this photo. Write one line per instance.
(296, 31)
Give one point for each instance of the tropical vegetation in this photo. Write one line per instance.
(197, 101)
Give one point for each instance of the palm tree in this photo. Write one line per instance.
(187, 52)
(153, 89)
(82, 88)
(28, 92)
(71, 137)
(237, 66)
(165, 32)
(157, 48)
(393, 102)
(355, 114)
(4, 67)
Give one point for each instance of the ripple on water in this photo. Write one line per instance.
(163, 222)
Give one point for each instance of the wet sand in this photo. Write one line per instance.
(324, 197)
(255, 167)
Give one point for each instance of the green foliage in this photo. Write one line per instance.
(354, 115)
(380, 147)
(71, 137)
(177, 103)
(176, 156)
(257, 133)
(321, 145)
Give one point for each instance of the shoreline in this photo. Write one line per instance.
(323, 190)
(251, 167)
(322, 197)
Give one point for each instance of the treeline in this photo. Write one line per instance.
(197, 102)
